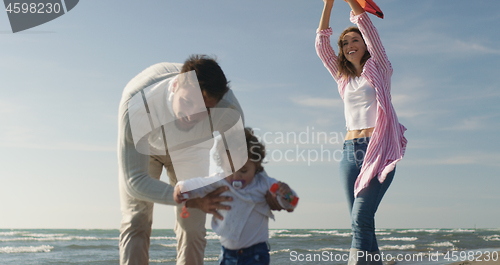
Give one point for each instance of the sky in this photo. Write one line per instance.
(61, 83)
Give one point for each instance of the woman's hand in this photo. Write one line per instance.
(355, 6)
(211, 202)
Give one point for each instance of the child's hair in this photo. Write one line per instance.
(345, 67)
(256, 149)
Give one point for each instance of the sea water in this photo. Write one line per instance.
(288, 246)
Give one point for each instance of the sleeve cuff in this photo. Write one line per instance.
(324, 32)
(355, 19)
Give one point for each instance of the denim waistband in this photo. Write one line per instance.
(249, 250)
(363, 140)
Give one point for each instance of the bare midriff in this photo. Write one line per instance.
(359, 133)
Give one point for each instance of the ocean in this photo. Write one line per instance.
(288, 246)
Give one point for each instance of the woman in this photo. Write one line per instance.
(374, 142)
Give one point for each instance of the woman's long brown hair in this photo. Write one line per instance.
(346, 68)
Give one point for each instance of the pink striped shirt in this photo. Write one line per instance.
(387, 144)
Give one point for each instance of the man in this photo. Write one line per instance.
(161, 100)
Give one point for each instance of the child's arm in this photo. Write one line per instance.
(285, 190)
(275, 187)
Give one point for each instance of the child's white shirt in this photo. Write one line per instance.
(246, 224)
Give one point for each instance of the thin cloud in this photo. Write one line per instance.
(67, 146)
(473, 123)
(473, 158)
(409, 95)
(242, 85)
(9, 108)
(317, 102)
(425, 42)
(463, 46)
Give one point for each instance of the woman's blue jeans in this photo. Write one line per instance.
(363, 207)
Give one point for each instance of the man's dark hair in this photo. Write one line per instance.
(210, 76)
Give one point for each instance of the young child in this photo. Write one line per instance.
(244, 230)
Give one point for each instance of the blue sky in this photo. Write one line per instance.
(61, 83)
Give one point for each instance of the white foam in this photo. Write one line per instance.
(278, 251)
(333, 232)
(45, 239)
(163, 238)
(273, 232)
(173, 245)
(43, 235)
(30, 249)
(329, 249)
(349, 234)
(88, 238)
(459, 231)
(442, 244)
(216, 258)
(162, 260)
(330, 232)
(492, 238)
(427, 254)
(12, 233)
(397, 247)
(294, 235)
(419, 231)
(280, 230)
(53, 237)
(382, 233)
(399, 238)
(212, 236)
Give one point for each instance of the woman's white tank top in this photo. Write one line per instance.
(360, 104)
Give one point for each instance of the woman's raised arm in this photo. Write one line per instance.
(325, 17)
(355, 6)
(323, 47)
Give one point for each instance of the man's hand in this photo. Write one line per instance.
(177, 194)
(211, 202)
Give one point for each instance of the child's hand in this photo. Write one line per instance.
(272, 201)
(177, 194)
(284, 188)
